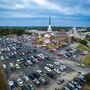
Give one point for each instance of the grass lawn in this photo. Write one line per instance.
(83, 47)
(87, 60)
(3, 85)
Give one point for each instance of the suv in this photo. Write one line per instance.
(11, 85)
(31, 86)
(4, 66)
(36, 82)
(26, 78)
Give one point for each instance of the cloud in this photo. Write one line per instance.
(75, 10)
(26, 7)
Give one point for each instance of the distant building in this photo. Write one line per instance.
(75, 33)
(50, 36)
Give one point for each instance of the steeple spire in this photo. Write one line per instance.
(49, 27)
(49, 20)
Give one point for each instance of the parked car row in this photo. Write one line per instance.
(76, 83)
(66, 53)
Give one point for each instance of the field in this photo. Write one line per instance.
(2, 81)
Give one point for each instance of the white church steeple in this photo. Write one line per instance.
(49, 27)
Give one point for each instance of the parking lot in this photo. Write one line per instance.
(28, 68)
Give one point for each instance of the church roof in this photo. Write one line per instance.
(59, 33)
(47, 35)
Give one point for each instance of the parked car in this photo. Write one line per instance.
(11, 65)
(18, 61)
(11, 85)
(57, 63)
(60, 81)
(48, 69)
(57, 70)
(36, 82)
(66, 88)
(51, 66)
(51, 75)
(17, 66)
(43, 81)
(31, 86)
(2, 58)
(20, 82)
(36, 75)
(29, 62)
(26, 78)
(31, 77)
(40, 73)
(4, 66)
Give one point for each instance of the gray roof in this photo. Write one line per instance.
(60, 34)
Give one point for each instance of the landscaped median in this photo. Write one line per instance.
(83, 47)
(85, 58)
(3, 85)
(87, 84)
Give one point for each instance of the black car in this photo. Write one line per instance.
(51, 75)
(25, 63)
(35, 74)
(60, 81)
(31, 77)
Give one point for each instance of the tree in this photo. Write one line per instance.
(87, 78)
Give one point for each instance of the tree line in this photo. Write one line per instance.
(7, 31)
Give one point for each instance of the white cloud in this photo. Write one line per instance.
(37, 6)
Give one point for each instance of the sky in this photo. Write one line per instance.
(37, 12)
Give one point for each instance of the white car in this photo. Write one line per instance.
(11, 65)
(66, 88)
(50, 65)
(74, 56)
(57, 70)
(48, 69)
(40, 72)
(78, 64)
(41, 56)
(62, 67)
(82, 65)
(57, 63)
(2, 58)
(4, 66)
(20, 82)
(26, 78)
(11, 85)
(17, 66)
(18, 61)
(29, 62)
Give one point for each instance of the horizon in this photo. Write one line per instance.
(36, 13)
